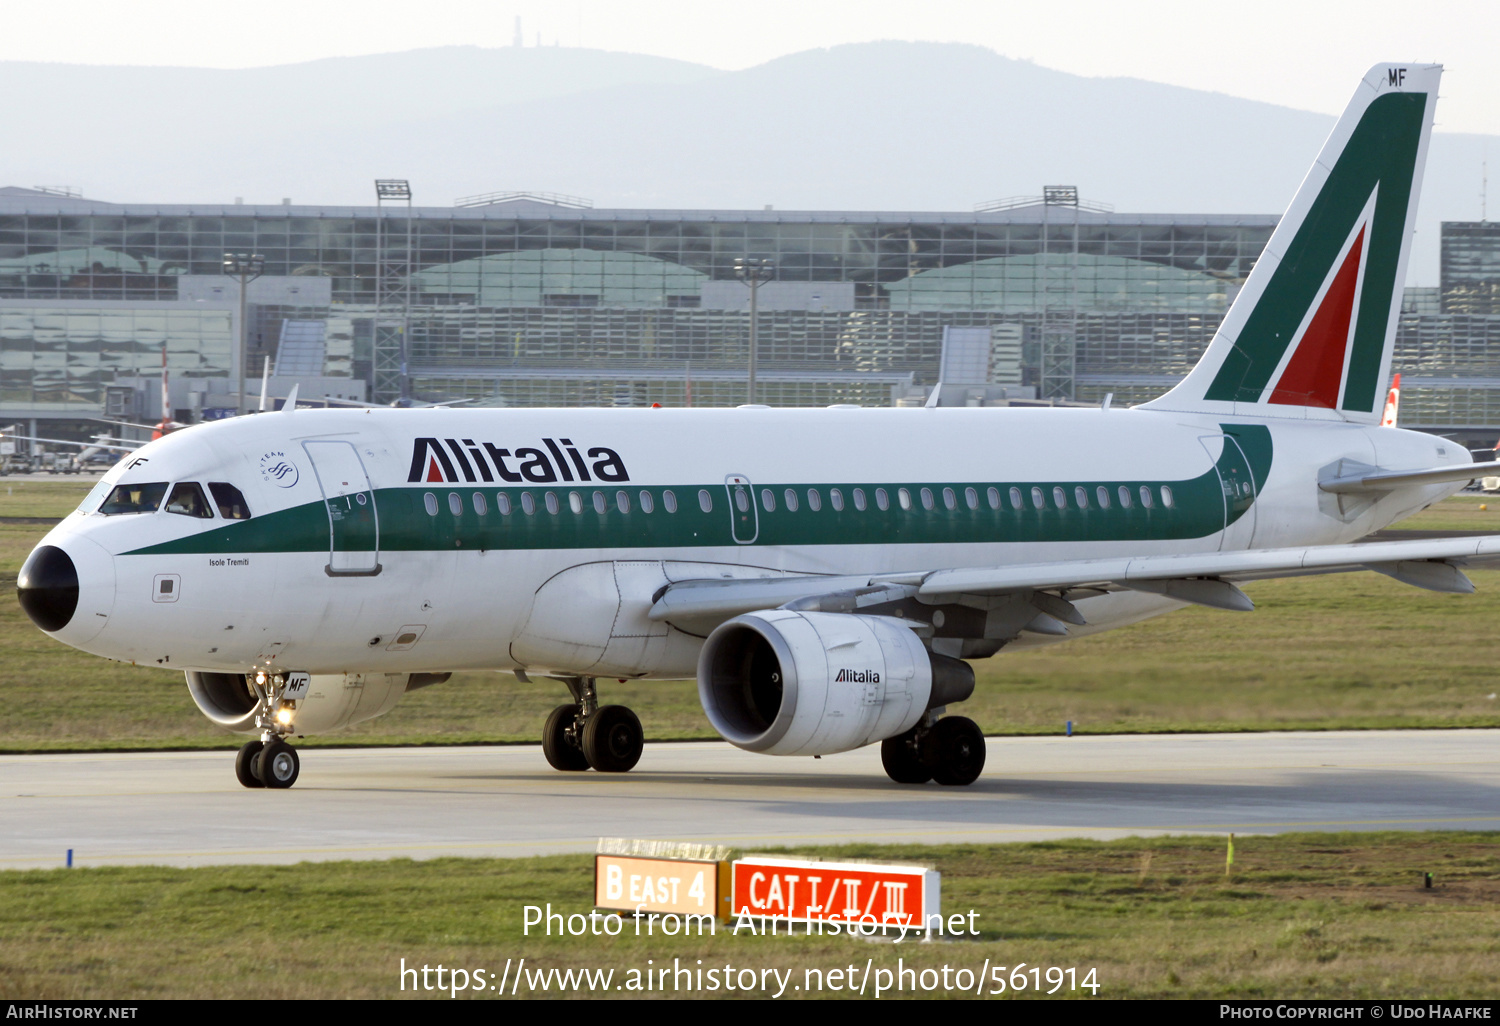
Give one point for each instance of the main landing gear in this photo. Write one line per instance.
(584, 734)
(949, 750)
(269, 761)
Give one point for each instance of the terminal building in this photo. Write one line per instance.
(526, 299)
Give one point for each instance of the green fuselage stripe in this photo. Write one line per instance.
(1198, 509)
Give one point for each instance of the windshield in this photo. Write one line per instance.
(134, 498)
(91, 500)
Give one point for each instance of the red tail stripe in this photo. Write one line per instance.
(1315, 371)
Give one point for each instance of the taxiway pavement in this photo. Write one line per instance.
(185, 808)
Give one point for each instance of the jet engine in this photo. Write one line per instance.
(332, 700)
(784, 682)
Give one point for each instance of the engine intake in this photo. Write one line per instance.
(333, 700)
(783, 682)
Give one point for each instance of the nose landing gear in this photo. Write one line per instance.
(269, 761)
(586, 735)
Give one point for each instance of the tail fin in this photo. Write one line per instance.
(1310, 335)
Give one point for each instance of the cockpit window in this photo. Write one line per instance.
(187, 499)
(92, 499)
(231, 502)
(134, 498)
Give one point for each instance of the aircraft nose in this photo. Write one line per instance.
(48, 587)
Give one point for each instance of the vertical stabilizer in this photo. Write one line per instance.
(1311, 333)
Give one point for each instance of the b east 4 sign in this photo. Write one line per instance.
(870, 895)
(671, 886)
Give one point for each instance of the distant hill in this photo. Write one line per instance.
(883, 126)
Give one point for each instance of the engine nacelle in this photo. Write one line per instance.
(783, 682)
(332, 701)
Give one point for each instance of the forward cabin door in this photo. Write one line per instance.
(353, 524)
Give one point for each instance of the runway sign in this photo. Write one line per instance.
(630, 883)
(867, 893)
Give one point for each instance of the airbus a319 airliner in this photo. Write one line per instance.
(824, 573)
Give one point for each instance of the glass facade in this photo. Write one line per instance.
(59, 359)
(527, 303)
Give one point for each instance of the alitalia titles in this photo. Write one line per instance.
(556, 459)
(857, 677)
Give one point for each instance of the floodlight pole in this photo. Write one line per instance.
(244, 267)
(753, 271)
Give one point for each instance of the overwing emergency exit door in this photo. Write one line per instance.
(353, 523)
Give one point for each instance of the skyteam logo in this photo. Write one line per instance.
(278, 469)
(451, 460)
(857, 677)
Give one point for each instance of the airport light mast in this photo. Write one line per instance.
(753, 271)
(244, 267)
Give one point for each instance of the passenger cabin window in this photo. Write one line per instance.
(502, 503)
(669, 500)
(1059, 497)
(1015, 498)
(903, 496)
(993, 495)
(768, 500)
(187, 500)
(455, 504)
(1167, 498)
(836, 499)
(1081, 496)
(882, 499)
(859, 499)
(814, 499)
(600, 503)
(429, 503)
(926, 498)
(705, 500)
(647, 503)
(1146, 497)
(1124, 494)
(790, 495)
(231, 503)
(575, 502)
(1102, 494)
(1037, 499)
(134, 498)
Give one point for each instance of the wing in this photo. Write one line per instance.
(1209, 579)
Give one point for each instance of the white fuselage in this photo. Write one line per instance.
(451, 581)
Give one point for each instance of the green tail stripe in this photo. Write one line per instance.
(1382, 150)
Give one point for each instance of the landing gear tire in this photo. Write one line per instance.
(954, 749)
(902, 760)
(244, 764)
(613, 739)
(563, 752)
(278, 765)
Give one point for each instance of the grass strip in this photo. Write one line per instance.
(1301, 916)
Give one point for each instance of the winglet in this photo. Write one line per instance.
(932, 399)
(291, 401)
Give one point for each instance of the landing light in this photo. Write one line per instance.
(284, 717)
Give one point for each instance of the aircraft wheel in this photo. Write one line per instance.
(954, 748)
(244, 764)
(613, 739)
(561, 752)
(901, 760)
(278, 764)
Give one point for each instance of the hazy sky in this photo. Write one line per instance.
(1300, 53)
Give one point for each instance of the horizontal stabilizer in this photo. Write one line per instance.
(1385, 480)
